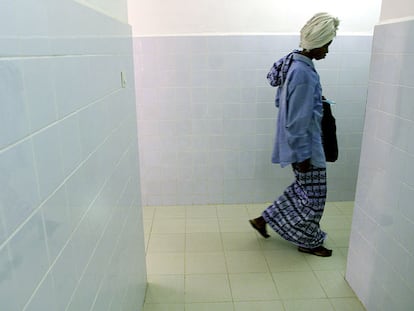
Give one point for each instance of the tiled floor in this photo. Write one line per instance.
(208, 258)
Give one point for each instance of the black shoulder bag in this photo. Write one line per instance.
(329, 140)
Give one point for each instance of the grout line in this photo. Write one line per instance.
(62, 184)
(262, 251)
(70, 236)
(100, 239)
(57, 256)
(36, 132)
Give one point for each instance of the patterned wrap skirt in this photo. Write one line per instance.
(295, 215)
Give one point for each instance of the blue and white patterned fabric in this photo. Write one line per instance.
(295, 215)
(279, 70)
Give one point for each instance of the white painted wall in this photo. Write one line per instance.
(206, 111)
(158, 17)
(207, 116)
(381, 251)
(71, 232)
(392, 9)
(114, 8)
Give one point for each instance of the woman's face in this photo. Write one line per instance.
(320, 53)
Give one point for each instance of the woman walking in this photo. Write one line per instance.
(296, 214)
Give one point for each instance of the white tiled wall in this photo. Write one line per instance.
(207, 116)
(71, 234)
(381, 256)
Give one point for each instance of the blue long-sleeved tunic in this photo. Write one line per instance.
(299, 99)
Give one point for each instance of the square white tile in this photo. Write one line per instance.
(336, 262)
(235, 224)
(246, 262)
(165, 289)
(308, 305)
(240, 241)
(264, 274)
(165, 263)
(170, 212)
(334, 284)
(273, 305)
(347, 304)
(298, 285)
(252, 287)
(286, 260)
(170, 225)
(216, 306)
(194, 225)
(232, 211)
(163, 307)
(207, 288)
(203, 242)
(205, 263)
(166, 242)
(201, 212)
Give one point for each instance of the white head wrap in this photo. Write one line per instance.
(318, 31)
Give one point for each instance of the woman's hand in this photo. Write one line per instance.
(304, 166)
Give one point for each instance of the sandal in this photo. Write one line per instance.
(317, 251)
(261, 230)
